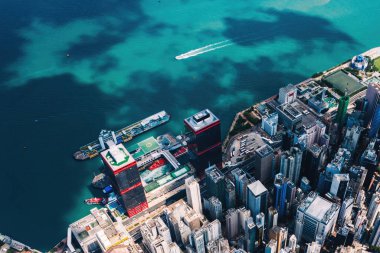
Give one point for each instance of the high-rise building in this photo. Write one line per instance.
(339, 185)
(241, 182)
(346, 210)
(280, 234)
(314, 247)
(373, 97)
(244, 215)
(232, 223)
(375, 236)
(290, 165)
(260, 225)
(123, 169)
(229, 193)
(369, 161)
(342, 110)
(212, 231)
(316, 218)
(272, 217)
(257, 198)
(213, 207)
(197, 241)
(305, 185)
(313, 162)
(271, 246)
(263, 163)
(269, 123)
(193, 194)
(280, 187)
(373, 209)
(215, 183)
(293, 243)
(156, 237)
(375, 124)
(250, 234)
(352, 137)
(205, 139)
(357, 178)
(287, 94)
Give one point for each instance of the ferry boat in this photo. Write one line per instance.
(157, 164)
(96, 201)
(125, 134)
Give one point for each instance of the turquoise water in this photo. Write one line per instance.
(70, 68)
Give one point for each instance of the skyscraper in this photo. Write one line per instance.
(215, 184)
(263, 163)
(205, 139)
(272, 217)
(123, 170)
(214, 208)
(369, 161)
(339, 185)
(241, 182)
(373, 209)
(257, 198)
(232, 223)
(342, 110)
(373, 97)
(313, 162)
(193, 194)
(290, 165)
(280, 186)
(280, 234)
(250, 235)
(375, 124)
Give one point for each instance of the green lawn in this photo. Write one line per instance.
(377, 63)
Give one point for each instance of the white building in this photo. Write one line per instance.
(287, 94)
(316, 218)
(345, 210)
(313, 247)
(156, 237)
(232, 222)
(351, 138)
(193, 194)
(290, 164)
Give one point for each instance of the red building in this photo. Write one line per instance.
(124, 172)
(205, 140)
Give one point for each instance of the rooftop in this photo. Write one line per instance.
(264, 151)
(214, 173)
(318, 208)
(342, 81)
(201, 120)
(117, 157)
(257, 188)
(144, 147)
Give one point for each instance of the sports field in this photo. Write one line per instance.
(343, 83)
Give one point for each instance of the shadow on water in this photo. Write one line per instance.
(18, 14)
(286, 24)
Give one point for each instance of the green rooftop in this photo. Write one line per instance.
(144, 147)
(342, 82)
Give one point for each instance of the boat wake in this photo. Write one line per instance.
(205, 49)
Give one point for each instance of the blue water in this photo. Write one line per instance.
(70, 68)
